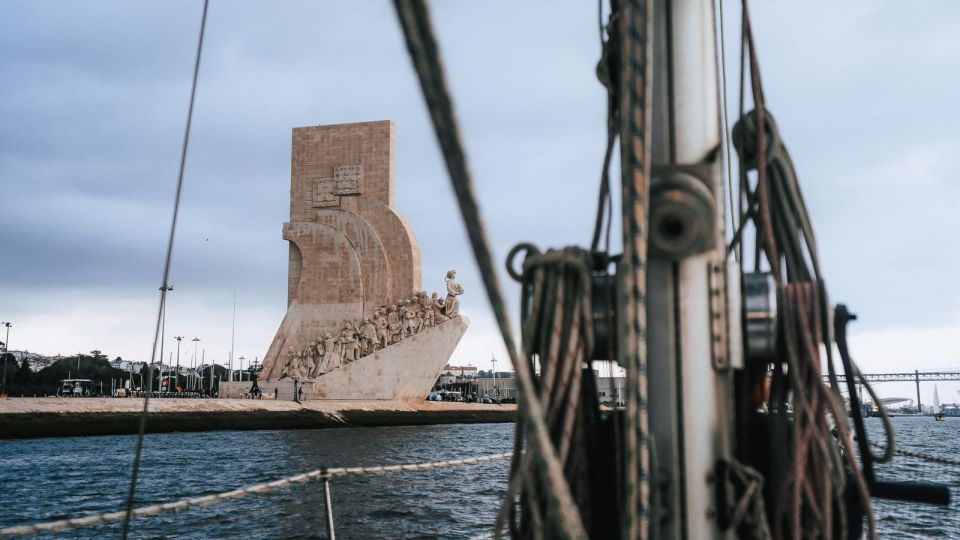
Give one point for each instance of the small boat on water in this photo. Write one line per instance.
(937, 413)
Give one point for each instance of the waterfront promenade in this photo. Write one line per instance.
(53, 416)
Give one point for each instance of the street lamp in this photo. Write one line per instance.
(176, 374)
(6, 350)
(164, 289)
(493, 360)
(242, 358)
(196, 342)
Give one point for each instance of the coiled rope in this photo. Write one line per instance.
(322, 473)
(808, 477)
(558, 332)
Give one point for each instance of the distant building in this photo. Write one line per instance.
(452, 374)
(127, 365)
(610, 390)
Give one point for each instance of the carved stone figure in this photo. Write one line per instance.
(331, 356)
(426, 306)
(368, 335)
(428, 319)
(438, 315)
(380, 322)
(408, 314)
(292, 370)
(319, 352)
(454, 289)
(394, 325)
(309, 356)
(348, 344)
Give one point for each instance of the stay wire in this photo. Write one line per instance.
(606, 70)
(727, 137)
(422, 47)
(131, 495)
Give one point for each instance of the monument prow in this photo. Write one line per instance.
(358, 325)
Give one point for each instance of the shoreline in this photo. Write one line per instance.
(23, 418)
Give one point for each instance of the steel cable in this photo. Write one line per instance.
(131, 494)
(421, 44)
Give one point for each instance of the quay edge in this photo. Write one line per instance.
(67, 417)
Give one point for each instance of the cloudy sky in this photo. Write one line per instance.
(94, 96)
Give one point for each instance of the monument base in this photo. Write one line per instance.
(404, 371)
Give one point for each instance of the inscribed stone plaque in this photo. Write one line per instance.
(323, 193)
(347, 179)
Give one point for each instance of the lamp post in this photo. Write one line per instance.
(493, 360)
(233, 333)
(163, 327)
(242, 358)
(176, 374)
(6, 350)
(196, 342)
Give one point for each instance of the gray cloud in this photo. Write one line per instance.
(94, 98)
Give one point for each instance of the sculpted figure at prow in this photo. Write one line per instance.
(454, 289)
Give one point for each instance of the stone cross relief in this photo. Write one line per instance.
(346, 180)
(389, 325)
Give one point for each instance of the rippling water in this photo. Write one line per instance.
(46, 479)
(896, 519)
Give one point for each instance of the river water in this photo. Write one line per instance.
(46, 479)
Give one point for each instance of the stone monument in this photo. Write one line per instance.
(358, 325)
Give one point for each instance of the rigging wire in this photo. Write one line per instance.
(131, 495)
(727, 137)
(607, 75)
(421, 44)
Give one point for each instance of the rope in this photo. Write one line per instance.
(808, 478)
(557, 331)
(165, 282)
(256, 489)
(636, 91)
(919, 455)
(421, 44)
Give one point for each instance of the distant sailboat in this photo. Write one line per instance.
(937, 414)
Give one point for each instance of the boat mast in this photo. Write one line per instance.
(689, 331)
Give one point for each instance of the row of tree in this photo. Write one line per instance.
(22, 381)
(488, 374)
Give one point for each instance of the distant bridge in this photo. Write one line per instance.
(915, 377)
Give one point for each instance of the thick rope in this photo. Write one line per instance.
(808, 478)
(256, 489)
(636, 92)
(422, 46)
(164, 287)
(558, 332)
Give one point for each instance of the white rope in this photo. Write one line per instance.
(256, 489)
